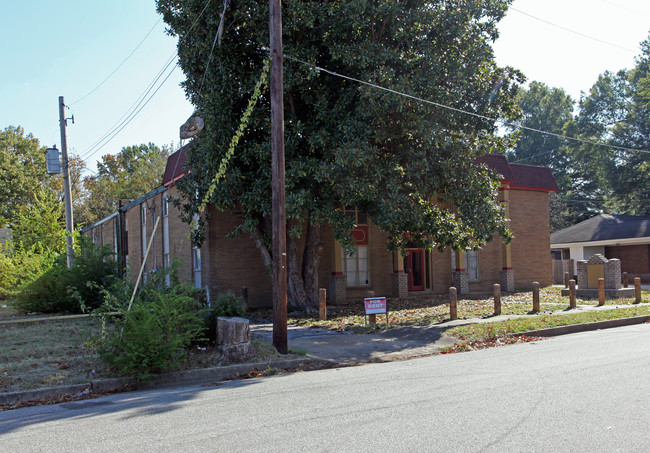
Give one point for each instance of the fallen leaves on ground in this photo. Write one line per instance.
(485, 343)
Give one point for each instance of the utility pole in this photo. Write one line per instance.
(67, 193)
(277, 163)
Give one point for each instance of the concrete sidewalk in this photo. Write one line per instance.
(400, 343)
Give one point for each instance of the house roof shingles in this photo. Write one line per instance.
(175, 167)
(604, 227)
(519, 176)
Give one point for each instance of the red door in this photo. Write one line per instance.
(416, 270)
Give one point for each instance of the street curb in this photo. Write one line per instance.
(576, 328)
(179, 378)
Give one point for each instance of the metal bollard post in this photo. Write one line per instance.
(572, 293)
(535, 297)
(453, 303)
(497, 299)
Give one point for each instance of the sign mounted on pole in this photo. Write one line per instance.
(376, 306)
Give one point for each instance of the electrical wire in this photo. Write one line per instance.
(130, 114)
(137, 106)
(455, 109)
(117, 68)
(573, 31)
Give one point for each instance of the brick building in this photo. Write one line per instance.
(223, 264)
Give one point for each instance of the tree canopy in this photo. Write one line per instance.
(22, 170)
(128, 174)
(406, 163)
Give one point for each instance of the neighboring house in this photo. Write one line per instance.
(223, 264)
(626, 237)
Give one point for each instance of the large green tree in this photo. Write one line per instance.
(551, 110)
(349, 144)
(22, 170)
(616, 111)
(128, 174)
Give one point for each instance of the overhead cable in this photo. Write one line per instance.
(118, 66)
(455, 109)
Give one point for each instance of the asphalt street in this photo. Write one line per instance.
(580, 392)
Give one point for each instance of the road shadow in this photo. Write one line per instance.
(134, 404)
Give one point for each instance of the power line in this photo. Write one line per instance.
(118, 66)
(476, 115)
(137, 106)
(574, 32)
(130, 114)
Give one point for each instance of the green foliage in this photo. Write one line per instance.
(22, 169)
(226, 304)
(39, 225)
(615, 111)
(74, 290)
(19, 267)
(153, 336)
(128, 174)
(347, 144)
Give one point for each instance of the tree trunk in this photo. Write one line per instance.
(256, 235)
(303, 281)
(311, 263)
(302, 284)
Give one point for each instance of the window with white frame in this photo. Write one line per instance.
(356, 265)
(471, 263)
(143, 246)
(165, 205)
(196, 257)
(165, 230)
(115, 225)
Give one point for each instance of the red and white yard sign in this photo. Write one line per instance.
(375, 305)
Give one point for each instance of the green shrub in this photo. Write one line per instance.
(80, 288)
(153, 336)
(226, 304)
(21, 267)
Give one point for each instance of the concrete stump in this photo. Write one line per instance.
(233, 339)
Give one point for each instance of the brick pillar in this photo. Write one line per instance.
(459, 277)
(507, 275)
(400, 279)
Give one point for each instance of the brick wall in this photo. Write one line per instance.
(235, 263)
(634, 258)
(529, 214)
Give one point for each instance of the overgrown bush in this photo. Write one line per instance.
(226, 304)
(153, 336)
(21, 267)
(80, 288)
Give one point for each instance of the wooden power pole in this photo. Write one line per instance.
(278, 207)
(67, 193)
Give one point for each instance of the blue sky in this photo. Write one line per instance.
(57, 48)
